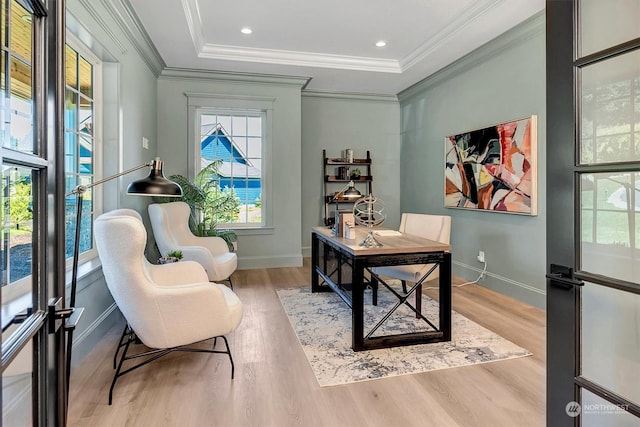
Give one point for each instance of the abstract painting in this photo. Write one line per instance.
(493, 169)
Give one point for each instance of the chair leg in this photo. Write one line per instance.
(226, 343)
(115, 356)
(154, 354)
(228, 279)
(117, 373)
(418, 297)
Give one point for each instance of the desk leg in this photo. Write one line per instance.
(445, 297)
(357, 308)
(339, 261)
(315, 258)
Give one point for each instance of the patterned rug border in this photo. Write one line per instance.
(333, 362)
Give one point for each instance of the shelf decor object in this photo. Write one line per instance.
(493, 169)
(349, 191)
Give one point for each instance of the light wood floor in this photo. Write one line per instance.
(274, 385)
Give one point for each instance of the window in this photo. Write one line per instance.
(22, 208)
(233, 133)
(80, 142)
(610, 134)
(17, 132)
(233, 143)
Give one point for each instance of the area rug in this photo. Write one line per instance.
(322, 323)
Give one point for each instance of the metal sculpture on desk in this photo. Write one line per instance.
(370, 212)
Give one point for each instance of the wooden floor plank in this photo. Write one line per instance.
(274, 384)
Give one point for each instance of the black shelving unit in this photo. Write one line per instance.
(333, 182)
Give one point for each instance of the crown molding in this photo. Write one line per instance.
(194, 22)
(91, 10)
(126, 18)
(300, 59)
(277, 56)
(344, 62)
(514, 37)
(206, 99)
(458, 24)
(349, 96)
(233, 77)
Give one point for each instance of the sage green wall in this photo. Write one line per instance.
(130, 99)
(281, 247)
(361, 122)
(501, 81)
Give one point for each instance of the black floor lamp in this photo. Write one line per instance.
(154, 185)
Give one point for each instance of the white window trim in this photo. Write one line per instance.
(197, 102)
(74, 42)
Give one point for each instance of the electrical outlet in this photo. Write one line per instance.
(481, 256)
(145, 143)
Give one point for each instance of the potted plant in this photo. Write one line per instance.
(355, 174)
(173, 256)
(209, 203)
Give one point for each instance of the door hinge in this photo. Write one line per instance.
(562, 277)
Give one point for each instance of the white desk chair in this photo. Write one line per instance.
(432, 227)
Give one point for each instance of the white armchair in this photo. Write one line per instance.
(167, 307)
(432, 227)
(170, 224)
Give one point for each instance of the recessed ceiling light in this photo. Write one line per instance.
(246, 30)
(381, 43)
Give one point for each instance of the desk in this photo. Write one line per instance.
(396, 250)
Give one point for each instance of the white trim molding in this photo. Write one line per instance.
(125, 16)
(522, 291)
(514, 37)
(300, 59)
(90, 8)
(371, 97)
(233, 77)
(77, 340)
(253, 262)
(455, 26)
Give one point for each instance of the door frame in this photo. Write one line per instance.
(561, 303)
(564, 380)
(49, 386)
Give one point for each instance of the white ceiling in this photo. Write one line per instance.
(330, 41)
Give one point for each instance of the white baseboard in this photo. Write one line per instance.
(522, 291)
(94, 325)
(306, 251)
(248, 263)
(87, 338)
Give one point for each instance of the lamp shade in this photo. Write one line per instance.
(155, 184)
(351, 193)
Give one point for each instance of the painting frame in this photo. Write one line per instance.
(493, 169)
